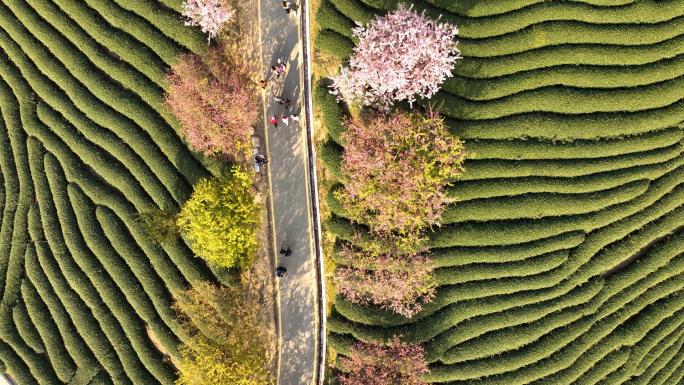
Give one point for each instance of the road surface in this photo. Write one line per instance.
(289, 198)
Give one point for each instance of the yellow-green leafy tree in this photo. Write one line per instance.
(221, 219)
(223, 341)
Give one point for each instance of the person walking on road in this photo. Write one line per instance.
(263, 84)
(277, 99)
(275, 71)
(295, 118)
(286, 5)
(285, 252)
(287, 102)
(280, 272)
(294, 7)
(281, 65)
(285, 120)
(273, 119)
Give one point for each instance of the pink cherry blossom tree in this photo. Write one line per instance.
(398, 56)
(399, 283)
(374, 364)
(214, 99)
(209, 15)
(395, 169)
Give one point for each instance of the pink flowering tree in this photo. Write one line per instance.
(214, 99)
(209, 15)
(374, 364)
(395, 169)
(398, 56)
(397, 283)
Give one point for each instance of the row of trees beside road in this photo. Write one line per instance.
(395, 165)
(214, 98)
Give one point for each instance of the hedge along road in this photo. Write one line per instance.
(290, 196)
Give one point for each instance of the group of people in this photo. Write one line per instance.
(281, 270)
(274, 119)
(276, 70)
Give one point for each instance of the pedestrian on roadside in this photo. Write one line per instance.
(280, 271)
(287, 102)
(260, 159)
(294, 7)
(273, 119)
(295, 118)
(275, 71)
(285, 120)
(285, 252)
(263, 84)
(286, 5)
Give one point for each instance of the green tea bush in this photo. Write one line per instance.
(487, 188)
(47, 273)
(569, 127)
(531, 360)
(541, 205)
(168, 22)
(76, 66)
(327, 16)
(128, 76)
(125, 245)
(116, 176)
(331, 156)
(15, 364)
(49, 332)
(137, 27)
(478, 271)
(335, 44)
(27, 330)
(562, 100)
(476, 8)
(355, 10)
(332, 112)
(580, 300)
(502, 340)
(120, 276)
(663, 366)
(101, 379)
(457, 256)
(114, 39)
(473, 25)
(575, 54)
(580, 77)
(114, 172)
(94, 285)
(657, 339)
(572, 32)
(63, 103)
(520, 149)
(84, 375)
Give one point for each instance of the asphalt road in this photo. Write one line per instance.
(289, 196)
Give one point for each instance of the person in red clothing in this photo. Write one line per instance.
(273, 119)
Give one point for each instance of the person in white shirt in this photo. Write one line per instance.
(294, 118)
(285, 120)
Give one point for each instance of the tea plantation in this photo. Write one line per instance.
(562, 259)
(85, 143)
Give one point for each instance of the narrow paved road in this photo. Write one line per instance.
(289, 196)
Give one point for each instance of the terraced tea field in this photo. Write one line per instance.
(562, 259)
(85, 143)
